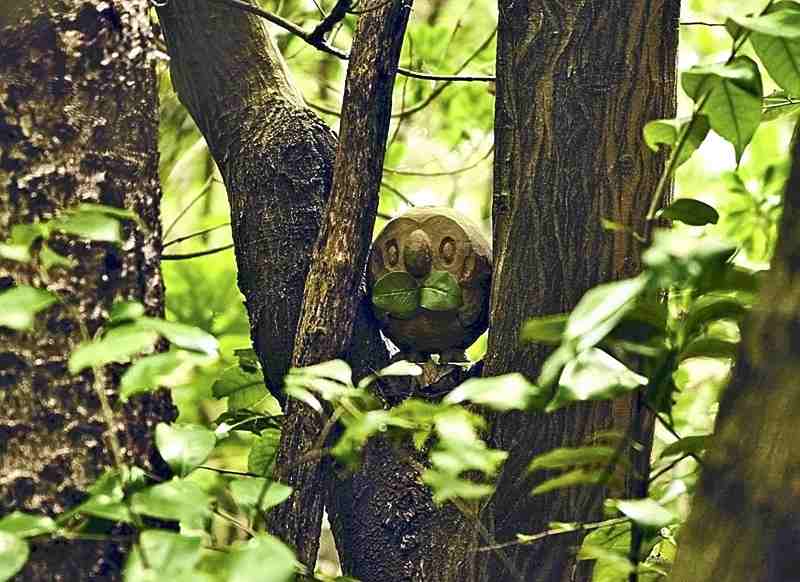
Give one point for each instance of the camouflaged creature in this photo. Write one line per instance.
(429, 275)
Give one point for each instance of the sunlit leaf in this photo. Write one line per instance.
(672, 132)
(13, 555)
(184, 447)
(119, 345)
(248, 562)
(246, 492)
(709, 347)
(165, 370)
(506, 392)
(19, 306)
(49, 259)
(25, 525)
(646, 512)
(686, 445)
(569, 479)
(181, 335)
(90, 225)
(548, 329)
(126, 311)
(168, 554)
(17, 246)
(175, 500)
(571, 457)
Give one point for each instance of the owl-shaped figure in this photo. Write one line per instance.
(429, 276)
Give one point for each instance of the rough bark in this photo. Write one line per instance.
(78, 123)
(334, 287)
(745, 519)
(275, 156)
(576, 83)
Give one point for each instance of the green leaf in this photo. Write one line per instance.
(125, 311)
(181, 335)
(594, 375)
(166, 370)
(782, 20)
(396, 293)
(184, 447)
(119, 345)
(18, 246)
(709, 308)
(646, 512)
(263, 452)
(781, 57)
(732, 94)
(49, 259)
(687, 445)
(440, 291)
(19, 306)
(545, 330)
(690, 211)
(13, 555)
(708, 347)
(569, 479)
(235, 380)
(248, 562)
(94, 226)
(246, 492)
(106, 499)
(670, 132)
(571, 457)
(506, 392)
(446, 485)
(600, 309)
(175, 500)
(25, 525)
(168, 554)
(337, 370)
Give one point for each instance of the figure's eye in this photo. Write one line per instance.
(392, 253)
(447, 250)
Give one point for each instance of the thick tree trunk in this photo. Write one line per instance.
(576, 83)
(745, 520)
(78, 123)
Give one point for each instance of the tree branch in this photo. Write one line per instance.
(332, 291)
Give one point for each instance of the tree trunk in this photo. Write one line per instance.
(576, 83)
(78, 123)
(745, 520)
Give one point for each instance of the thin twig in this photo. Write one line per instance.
(180, 239)
(338, 53)
(530, 539)
(402, 172)
(184, 257)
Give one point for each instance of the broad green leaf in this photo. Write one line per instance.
(125, 311)
(506, 392)
(569, 479)
(571, 457)
(248, 420)
(732, 94)
(594, 375)
(106, 499)
(19, 306)
(175, 500)
(49, 259)
(184, 447)
(646, 512)
(401, 368)
(687, 445)
(337, 370)
(303, 396)
(17, 247)
(263, 451)
(709, 347)
(690, 211)
(679, 257)
(246, 492)
(440, 291)
(548, 329)
(168, 554)
(166, 370)
(709, 308)
(670, 132)
(396, 293)
(447, 486)
(782, 20)
(262, 559)
(781, 58)
(182, 335)
(235, 380)
(13, 555)
(119, 345)
(94, 226)
(24, 525)
(600, 309)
